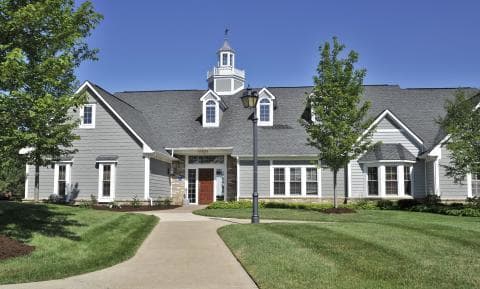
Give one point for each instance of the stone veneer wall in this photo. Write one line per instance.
(231, 178)
(177, 180)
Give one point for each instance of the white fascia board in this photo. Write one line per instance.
(397, 121)
(267, 92)
(217, 97)
(388, 161)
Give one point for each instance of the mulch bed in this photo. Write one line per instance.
(133, 209)
(10, 248)
(338, 211)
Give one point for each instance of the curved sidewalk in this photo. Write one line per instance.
(183, 251)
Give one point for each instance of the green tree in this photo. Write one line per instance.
(338, 131)
(462, 125)
(42, 42)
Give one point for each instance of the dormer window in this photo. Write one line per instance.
(265, 105)
(210, 112)
(212, 108)
(265, 108)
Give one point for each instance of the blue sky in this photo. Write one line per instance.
(150, 44)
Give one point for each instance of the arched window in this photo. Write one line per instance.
(265, 111)
(210, 111)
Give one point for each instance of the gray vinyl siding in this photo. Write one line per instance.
(419, 179)
(246, 178)
(358, 186)
(429, 173)
(223, 85)
(237, 84)
(394, 135)
(107, 138)
(388, 132)
(159, 179)
(448, 188)
(327, 183)
(45, 183)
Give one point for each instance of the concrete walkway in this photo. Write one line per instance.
(183, 251)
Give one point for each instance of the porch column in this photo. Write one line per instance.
(146, 187)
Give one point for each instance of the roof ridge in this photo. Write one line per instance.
(159, 90)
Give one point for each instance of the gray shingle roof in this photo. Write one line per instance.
(172, 118)
(387, 152)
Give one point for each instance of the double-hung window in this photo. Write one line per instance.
(391, 180)
(312, 182)
(407, 180)
(265, 112)
(373, 181)
(62, 175)
(87, 116)
(279, 181)
(106, 181)
(295, 181)
(62, 180)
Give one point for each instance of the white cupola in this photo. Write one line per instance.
(224, 78)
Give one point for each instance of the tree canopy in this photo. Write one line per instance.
(42, 42)
(462, 125)
(338, 128)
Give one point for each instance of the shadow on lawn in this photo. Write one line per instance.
(21, 220)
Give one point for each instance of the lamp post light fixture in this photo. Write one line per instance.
(249, 100)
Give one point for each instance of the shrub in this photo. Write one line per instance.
(466, 212)
(167, 202)
(473, 202)
(431, 200)
(85, 204)
(406, 204)
(232, 205)
(93, 199)
(385, 204)
(135, 203)
(362, 205)
(114, 205)
(56, 199)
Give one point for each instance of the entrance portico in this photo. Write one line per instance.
(206, 174)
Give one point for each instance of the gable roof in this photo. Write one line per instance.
(172, 118)
(130, 117)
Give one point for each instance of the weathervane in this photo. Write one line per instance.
(226, 32)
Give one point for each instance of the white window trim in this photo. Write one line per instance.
(94, 109)
(265, 93)
(217, 117)
(68, 176)
(303, 170)
(113, 173)
(382, 180)
(270, 109)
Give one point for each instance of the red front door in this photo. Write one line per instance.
(205, 184)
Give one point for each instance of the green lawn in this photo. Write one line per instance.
(369, 249)
(68, 240)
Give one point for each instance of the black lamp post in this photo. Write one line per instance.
(249, 100)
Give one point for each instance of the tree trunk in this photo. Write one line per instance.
(36, 192)
(335, 188)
